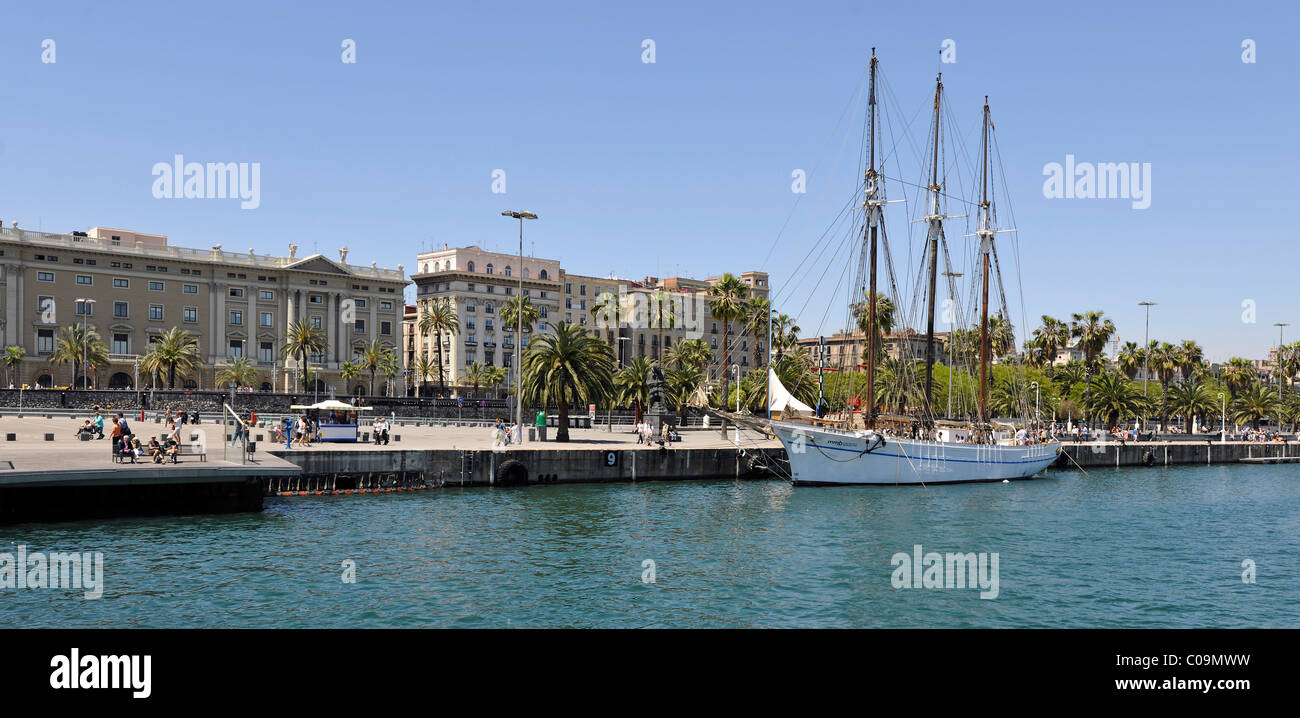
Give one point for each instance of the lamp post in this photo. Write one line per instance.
(1036, 395)
(1146, 352)
(1223, 426)
(1278, 363)
(519, 316)
(737, 368)
(137, 381)
(621, 353)
(85, 316)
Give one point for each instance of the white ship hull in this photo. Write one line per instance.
(831, 457)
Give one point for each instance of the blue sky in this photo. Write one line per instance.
(682, 166)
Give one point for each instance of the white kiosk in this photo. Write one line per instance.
(338, 421)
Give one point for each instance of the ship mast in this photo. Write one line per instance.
(935, 220)
(985, 235)
(872, 202)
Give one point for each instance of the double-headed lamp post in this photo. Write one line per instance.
(86, 304)
(519, 328)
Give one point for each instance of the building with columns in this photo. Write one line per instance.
(236, 304)
(477, 282)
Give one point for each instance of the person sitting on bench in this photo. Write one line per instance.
(86, 431)
(126, 450)
(155, 450)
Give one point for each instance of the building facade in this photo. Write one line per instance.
(477, 283)
(132, 287)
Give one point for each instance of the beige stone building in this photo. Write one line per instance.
(478, 283)
(237, 304)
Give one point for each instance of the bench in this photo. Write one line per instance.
(192, 450)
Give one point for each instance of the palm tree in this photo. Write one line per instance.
(439, 316)
(510, 313)
(727, 304)
(477, 374)
(1255, 404)
(77, 344)
(391, 366)
(1189, 399)
(758, 315)
(423, 368)
(663, 311)
(303, 339)
(568, 365)
(348, 371)
(13, 360)
(861, 312)
(680, 384)
(1130, 359)
(633, 381)
(1070, 374)
(374, 356)
(1237, 373)
(1190, 355)
(176, 351)
(1093, 330)
(605, 312)
(1051, 336)
(693, 353)
(785, 334)
(1002, 336)
(1114, 398)
(496, 376)
(239, 372)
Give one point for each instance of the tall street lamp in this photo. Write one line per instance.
(1146, 356)
(1278, 363)
(1223, 426)
(86, 304)
(519, 328)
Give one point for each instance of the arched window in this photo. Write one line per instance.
(470, 266)
(489, 268)
(507, 270)
(543, 274)
(525, 272)
(489, 307)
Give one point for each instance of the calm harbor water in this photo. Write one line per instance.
(1120, 548)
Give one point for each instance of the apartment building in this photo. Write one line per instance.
(477, 282)
(132, 287)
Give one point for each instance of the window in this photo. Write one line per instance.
(316, 299)
(469, 307)
(543, 274)
(469, 325)
(387, 306)
(155, 286)
(84, 279)
(582, 290)
(120, 310)
(191, 315)
(266, 295)
(489, 268)
(508, 271)
(542, 311)
(121, 283)
(155, 312)
(489, 307)
(190, 289)
(85, 309)
(236, 349)
(45, 276)
(525, 272)
(359, 303)
(236, 292)
(44, 341)
(470, 266)
(236, 317)
(359, 327)
(568, 288)
(315, 321)
(487, 324)
(268, 319)
(582, 304)
(121, 343)
(385, 327)
(266, 351)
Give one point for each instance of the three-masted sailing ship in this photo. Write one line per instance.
(867, 445)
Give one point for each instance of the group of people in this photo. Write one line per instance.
(295, 431)
(503, 435)
(645, 432)
(380, 431)
(128, 446)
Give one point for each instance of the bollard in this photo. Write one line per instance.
(49, 437)
(397, 437)
(11, 437)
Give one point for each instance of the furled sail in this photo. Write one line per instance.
(783, 404)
